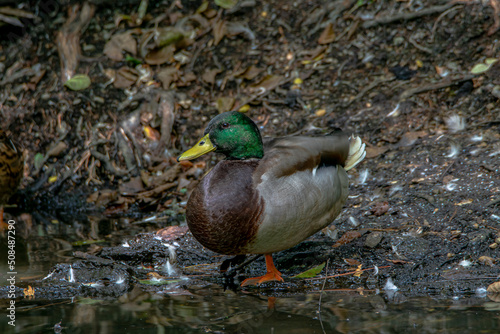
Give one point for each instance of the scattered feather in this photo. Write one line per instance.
(171, 252)
(465, 263)
(363, 176)
(389, 285)
(395, 112)
(71, 277)
(170, 269)
(476, 138)
(394, 189)
(481, 292)
(49, 275)
(120, 280)
(125, 244)
(455, 123)
(454, 150)
(450, 186)
(353, 221)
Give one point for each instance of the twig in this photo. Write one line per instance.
(107, 164)
(374, 84)
(446, 12)
(495, 201)
(321, 295)
(439, 85)
(420, 47)
(443, 174)
(345, 274)
(407, 16)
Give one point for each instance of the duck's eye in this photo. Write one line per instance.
(225, 125)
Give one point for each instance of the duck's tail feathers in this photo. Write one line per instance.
(356, 152)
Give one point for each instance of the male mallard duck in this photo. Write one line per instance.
(11, 170)
(267, 196)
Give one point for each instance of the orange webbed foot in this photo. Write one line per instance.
(272, 274)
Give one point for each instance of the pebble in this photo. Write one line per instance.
(373, 239)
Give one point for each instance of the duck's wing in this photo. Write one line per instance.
(287, 155)
(303, 187)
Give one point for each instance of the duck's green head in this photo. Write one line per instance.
(232, 134)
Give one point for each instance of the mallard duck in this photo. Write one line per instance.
(11, 170)
(267, 195)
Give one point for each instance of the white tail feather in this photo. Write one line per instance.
(356, 152)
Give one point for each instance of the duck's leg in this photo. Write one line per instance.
(272, 274)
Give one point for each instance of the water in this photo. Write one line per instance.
(207, 308)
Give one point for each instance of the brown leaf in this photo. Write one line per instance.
(186, 79)
(269, 82)
(224, 104)
(119, 43)
(374, 151)
(352, 262)
(131, 187)
(348, 237)
(116, 209)
(125, 77)
(251, 72)
(486, 260)
(103, 197)
(210, 74)
(171, 233)
(328, 35)
(494, 287)
(219, 31)
(168, 75)
(161, 55)
(397, 261)
(410, 138)
(380, 208)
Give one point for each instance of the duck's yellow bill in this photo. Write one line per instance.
(204, 145)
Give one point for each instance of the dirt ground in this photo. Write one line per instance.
(417, 81)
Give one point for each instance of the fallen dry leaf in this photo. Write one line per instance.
(375, 151)
(168, 75)
(224, 104)
(328, 35)
(210, 74)
(348, 237)
(269, 82)
(250, 73)
(161, 55)
(219, 31)
(118, 43)
(171, 233)
(125, 77)
(380, 208)
(352, 262)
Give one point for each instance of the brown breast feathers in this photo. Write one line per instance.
(224, 210)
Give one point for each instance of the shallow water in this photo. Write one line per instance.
(207, 308)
